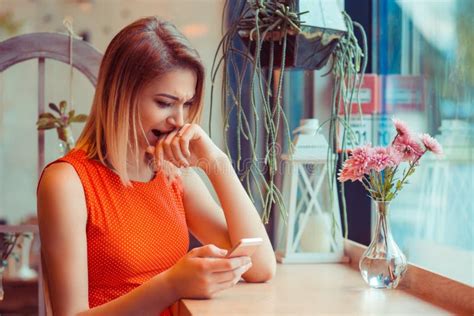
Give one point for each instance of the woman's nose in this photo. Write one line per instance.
(177, 119)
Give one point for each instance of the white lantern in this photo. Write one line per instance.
(312, 230)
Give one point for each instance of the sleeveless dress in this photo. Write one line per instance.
(133, 233)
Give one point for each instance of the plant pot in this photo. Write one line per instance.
(309, 49)
(302, 52)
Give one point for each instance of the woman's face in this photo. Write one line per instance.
(165, 104)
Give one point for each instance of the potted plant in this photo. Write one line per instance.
(61, 123)
(8, 242)
(275, 37)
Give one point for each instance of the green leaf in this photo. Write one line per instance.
(54, 107)
(70, 116)
(399, 185)
(45, 125)
(46, 120)
(46, 115)
(389, 196)
(63, 107)
(79, 118)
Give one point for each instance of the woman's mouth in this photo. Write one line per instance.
(160, 134)
(157, 133)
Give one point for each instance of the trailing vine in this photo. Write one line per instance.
(273, 21)
(349, 63)
(260, 21)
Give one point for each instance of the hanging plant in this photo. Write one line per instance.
(348, 67)
(276, 37)
(61, 123)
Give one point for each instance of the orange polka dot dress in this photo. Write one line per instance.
(133, 233)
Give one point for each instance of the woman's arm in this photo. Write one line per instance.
(238, 219)
(62, 218)
(243, 220)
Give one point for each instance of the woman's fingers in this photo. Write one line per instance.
(228, 264)
(185, 136)
(233, 275)
(168, 153)
(225, 280)
(172, 150)
(208, 251)
(178, 151)
(159, 154)
(175, 146)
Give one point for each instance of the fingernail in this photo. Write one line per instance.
(223, 252)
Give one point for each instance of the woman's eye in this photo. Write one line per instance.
(162, 104)
(188, 104)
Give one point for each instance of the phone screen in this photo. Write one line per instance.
(245, 247)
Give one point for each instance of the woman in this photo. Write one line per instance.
(114, 213)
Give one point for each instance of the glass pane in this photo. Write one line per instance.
(426, 62)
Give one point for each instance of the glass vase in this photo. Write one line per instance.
(66, 140)
(383, 264)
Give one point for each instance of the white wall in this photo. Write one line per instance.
(200, 20)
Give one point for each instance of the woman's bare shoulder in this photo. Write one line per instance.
(60, 188)
(58, 172)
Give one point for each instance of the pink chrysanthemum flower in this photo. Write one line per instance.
(349, 173)
(356, 166)
(380, 159)
(396, 157)
(401, 127)
(409, 147)
(431, 144)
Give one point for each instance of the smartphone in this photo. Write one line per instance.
(245, 247)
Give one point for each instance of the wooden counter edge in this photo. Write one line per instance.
(180, 309)
(429, 286)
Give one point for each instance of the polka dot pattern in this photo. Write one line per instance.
(133, 233)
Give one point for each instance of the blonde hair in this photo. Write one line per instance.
(139, 53)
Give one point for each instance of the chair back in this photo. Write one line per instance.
(42, 46)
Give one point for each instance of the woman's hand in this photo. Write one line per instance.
(205, 271)
(189, 146)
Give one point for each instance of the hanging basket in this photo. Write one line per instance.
(312, 46)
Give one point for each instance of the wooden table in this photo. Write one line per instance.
(310, 289)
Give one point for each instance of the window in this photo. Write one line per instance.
(425, 62)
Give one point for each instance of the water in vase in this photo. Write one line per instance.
(382, 273)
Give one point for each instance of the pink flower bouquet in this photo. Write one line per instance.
(378, 168)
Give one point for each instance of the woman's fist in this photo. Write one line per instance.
(188, 146)
(205, 271)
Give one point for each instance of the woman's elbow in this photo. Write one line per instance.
(262, 274)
